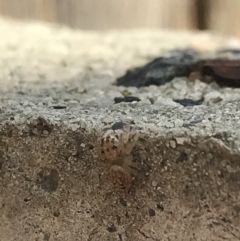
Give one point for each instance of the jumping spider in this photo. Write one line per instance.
(115, 147)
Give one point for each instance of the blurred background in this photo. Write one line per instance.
(219, 16)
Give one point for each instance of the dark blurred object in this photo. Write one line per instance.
(126, 99)
(234, 51)
(189, 102)
(161, 70)
(226, 72)
(185, 63)
(59, 107)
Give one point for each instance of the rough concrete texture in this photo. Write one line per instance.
(57, 95)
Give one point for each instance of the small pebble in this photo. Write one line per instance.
(154, 183)
(82, 145)
(180, 140)
(75, 127)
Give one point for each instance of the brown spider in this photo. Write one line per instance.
(115, 146)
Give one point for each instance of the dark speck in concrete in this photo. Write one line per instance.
(27, 199)
(123, 202)
(151, 212)
(126, 99)
(48, 179)
(160, 207)
(112, 229)
(56, 213)
(91, 146)
(183, 157)
(189, 102)
(59, 107)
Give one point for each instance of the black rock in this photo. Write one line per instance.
(161, 70)
(189, 102)
(125, 99)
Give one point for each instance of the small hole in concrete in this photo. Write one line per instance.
(112, 229)
(151, 212)
(123, 202)
(56, 213)
(91, 146)
(183, 157)
(160, 207)
(27, 199)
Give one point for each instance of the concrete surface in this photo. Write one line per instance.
(57, 95)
